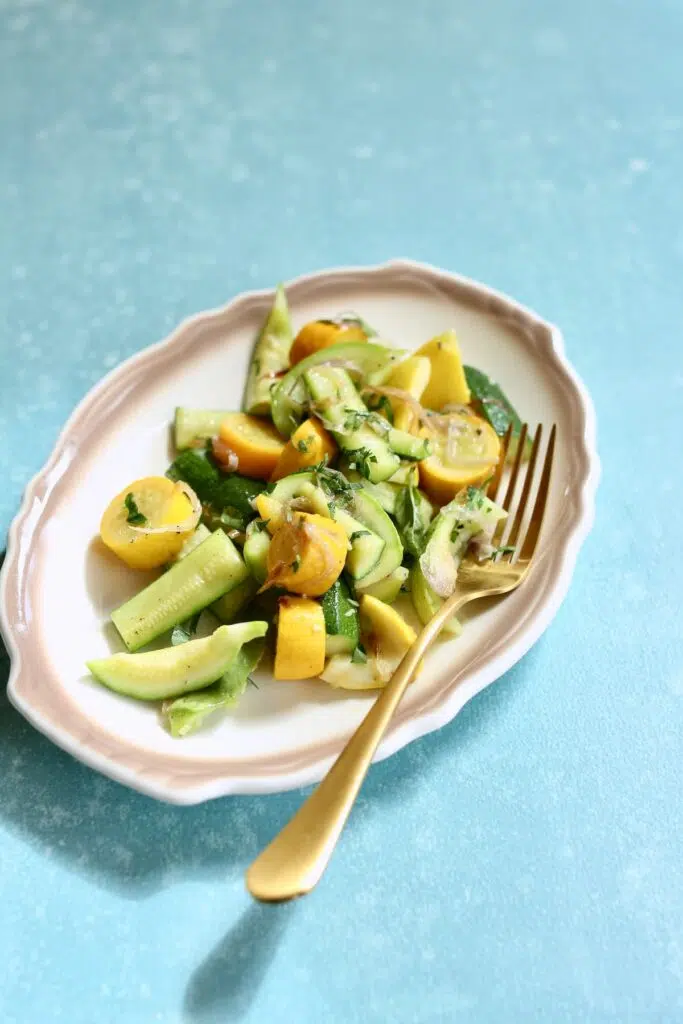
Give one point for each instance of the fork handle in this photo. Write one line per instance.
(295, 860)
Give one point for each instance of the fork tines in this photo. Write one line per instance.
(522, 542)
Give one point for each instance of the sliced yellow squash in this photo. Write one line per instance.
(322, 334)
(300, 644)
(466, 452)
(309, 444)
(447, 383)
(307, 554)
(412, 376)
(255, 442)
(148, 523)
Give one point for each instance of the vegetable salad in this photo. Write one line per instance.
(354, 472)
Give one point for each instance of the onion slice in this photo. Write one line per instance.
(224, 455)
(186, 525)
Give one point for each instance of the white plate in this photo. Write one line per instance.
(58, 588)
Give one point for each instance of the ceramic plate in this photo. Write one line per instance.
(58, 587)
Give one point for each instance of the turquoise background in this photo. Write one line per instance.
(523, 864)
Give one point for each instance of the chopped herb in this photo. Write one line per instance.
(359, 657)
(304, 444)
(455, 532)
(355, 418)
(184, 631)
(135, 516)
(333, 483)
(381, 404)
(410, 520)
(505, 549)
(359, 533)
(296, 564)
(362, 458)
(474, 498)
(259, 525)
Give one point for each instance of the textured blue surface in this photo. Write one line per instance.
(524, 864)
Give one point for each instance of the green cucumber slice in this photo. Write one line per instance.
(342, 623)
(289, 398)
(158, 675)
(208, 572)
(343, 411)
(201, 534)
(426, 603)
(228, 607)
(270, 356)
(193, 424)
(389, 588)
(370, 513)
(449, 535)
(184, 715)
(255, 550)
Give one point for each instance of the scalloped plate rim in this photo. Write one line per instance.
(427, 721)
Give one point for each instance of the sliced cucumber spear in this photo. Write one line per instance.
(372, 445)
(270, 356)
(342, 622)
(211, 570)
(185, 714)
(158, 675)
(196, 424)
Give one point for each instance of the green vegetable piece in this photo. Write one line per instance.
(342, 410)
(184, 715)
(135, 516)
(342, 622)
(390, 587)
(199, 579)
(227, 494)
(270, 357)
(491, 402)
(196, 425)
(450, 533)
(426, 603)
(413, 515)
(290, 397)
(229, 607)
(185, 631)
(255, 550)
(172, 671)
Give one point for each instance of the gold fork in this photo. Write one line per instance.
(295, 860)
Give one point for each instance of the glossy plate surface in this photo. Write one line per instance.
(58, 586)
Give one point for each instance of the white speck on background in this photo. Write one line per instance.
(637, 165)
(18, 273)
(613, 124)
(363, 152)
(269, 66)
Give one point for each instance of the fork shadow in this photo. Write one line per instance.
(224, 985)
